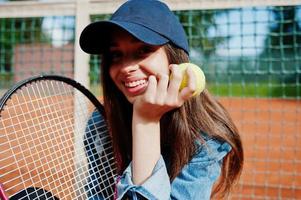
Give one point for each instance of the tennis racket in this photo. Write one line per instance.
(54, 142)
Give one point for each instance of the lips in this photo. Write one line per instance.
(136, 87)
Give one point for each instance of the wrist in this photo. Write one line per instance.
(145, 117)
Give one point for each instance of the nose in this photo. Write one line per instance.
(129, 68)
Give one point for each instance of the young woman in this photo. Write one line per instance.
(169, 144)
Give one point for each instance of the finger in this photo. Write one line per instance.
(150, 92)
(162, 87)
(186, 94)
(192, 79)
(175, 81)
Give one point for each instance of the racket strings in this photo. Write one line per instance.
(11, 145)
(55, 153)
(108, 167)
(36, 96)
(26, 129)
(81, 103)
(66, 125)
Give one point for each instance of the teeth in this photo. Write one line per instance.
(135, 83)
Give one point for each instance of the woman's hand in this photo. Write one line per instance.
(163, 95)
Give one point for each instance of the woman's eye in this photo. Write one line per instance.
(145, 50)
(115, 56)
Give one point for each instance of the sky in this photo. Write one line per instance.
(60, 29)
(247, 28)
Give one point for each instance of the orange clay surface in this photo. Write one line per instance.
(271, 135)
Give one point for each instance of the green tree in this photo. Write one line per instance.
(198, 25)
(281, 54)
(15, 31)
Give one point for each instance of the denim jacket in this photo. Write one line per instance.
(194, 182)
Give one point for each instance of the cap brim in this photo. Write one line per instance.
(95, 36)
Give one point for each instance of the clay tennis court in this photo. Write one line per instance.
(270, 130)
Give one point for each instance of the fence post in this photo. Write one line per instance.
(81, 59)
(81, 74)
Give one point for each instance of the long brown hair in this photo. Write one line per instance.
(180, 128)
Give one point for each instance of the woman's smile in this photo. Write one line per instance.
(132, 62)
(136, 87)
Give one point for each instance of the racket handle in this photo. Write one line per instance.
(2, 193)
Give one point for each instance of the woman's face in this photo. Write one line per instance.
(132, 62)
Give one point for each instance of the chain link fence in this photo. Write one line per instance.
(250, 53)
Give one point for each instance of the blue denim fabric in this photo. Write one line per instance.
(194, 182)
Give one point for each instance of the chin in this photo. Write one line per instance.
(131, 99)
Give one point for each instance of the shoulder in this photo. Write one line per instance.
(210, 150)
(196, 179)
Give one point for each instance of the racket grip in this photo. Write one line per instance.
(2, 193)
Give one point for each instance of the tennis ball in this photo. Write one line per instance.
(200, 77)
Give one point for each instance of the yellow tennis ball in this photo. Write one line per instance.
(200, 77)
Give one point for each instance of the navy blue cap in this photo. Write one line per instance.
(150, 21)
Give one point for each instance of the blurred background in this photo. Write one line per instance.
(250, 51)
